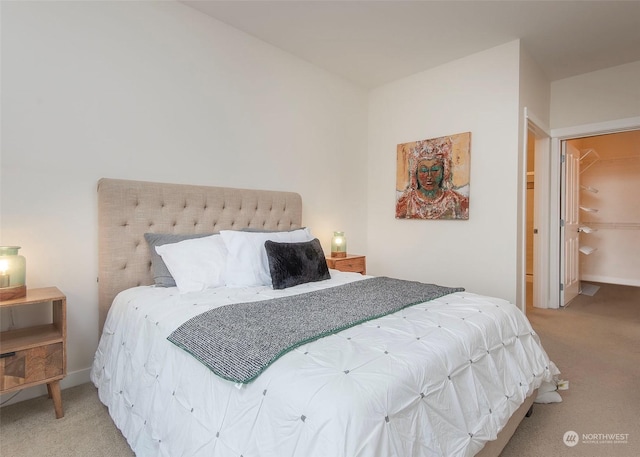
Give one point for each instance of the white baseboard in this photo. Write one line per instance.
(611, 280)
(71, 380)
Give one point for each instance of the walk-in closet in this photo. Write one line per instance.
(610, 208)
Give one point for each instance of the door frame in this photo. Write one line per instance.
(555, 179)
(534, 126)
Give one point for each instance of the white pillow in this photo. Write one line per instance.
(247, 262)
(196, 264)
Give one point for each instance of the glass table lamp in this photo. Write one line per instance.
(338, 245)
(12, 273)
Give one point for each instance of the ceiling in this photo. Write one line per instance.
(374, 42)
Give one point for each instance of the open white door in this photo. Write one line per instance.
(569, 230)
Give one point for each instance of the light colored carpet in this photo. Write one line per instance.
(595, 342)
(30, 428)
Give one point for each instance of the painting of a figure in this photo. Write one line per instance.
(432, 180)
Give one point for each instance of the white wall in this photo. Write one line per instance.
(535, 97)
(535, 88)
(599, 96)
(479, 94)
(160, 92)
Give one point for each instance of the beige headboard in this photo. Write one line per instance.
(129, 209)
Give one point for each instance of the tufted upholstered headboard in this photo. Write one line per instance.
(129, 209)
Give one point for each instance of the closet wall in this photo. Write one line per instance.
(610, 182)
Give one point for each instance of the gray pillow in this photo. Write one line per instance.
(291, 264)
(161, 275)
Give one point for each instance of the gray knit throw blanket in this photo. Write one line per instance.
(238, 342)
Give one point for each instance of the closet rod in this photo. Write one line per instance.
(613, 225)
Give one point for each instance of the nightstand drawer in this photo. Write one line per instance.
(32, 365)
(356, 265)
(352, 263)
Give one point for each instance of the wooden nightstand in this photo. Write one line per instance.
(355, 263)
(36, 355)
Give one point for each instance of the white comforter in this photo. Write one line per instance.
(436, 379)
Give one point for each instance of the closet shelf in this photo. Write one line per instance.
(586, 250)
(589, 189)
(587, 158)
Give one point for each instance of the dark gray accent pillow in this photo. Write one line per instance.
(161, 275)
(291, 264)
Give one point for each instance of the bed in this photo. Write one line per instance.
(452, 376)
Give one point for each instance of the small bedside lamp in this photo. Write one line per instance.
(12, 273)
(338, 245)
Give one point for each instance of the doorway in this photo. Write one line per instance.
(609, 216)
(535, 203)
(554, 246)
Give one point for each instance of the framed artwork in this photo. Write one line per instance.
(432, 178)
